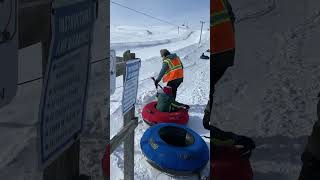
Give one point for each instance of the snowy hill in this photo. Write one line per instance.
(193, 91)
(148, 45)
(129, 34)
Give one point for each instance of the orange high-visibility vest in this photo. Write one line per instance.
(221, 29)
(175, 70)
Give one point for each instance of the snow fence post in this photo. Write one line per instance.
(34, 22)
(126, 134)
(66, 166)
(201, 30)
(129, 142)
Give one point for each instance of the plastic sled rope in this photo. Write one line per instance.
(152, 116)
(174, 149)
(227, 164)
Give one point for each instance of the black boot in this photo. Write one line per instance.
(207, 113)
(206, 120)
(247, 146)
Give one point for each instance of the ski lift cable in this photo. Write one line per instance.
(140, 12)
(38, 78)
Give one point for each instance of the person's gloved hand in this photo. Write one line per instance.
(187, 107)
(245, 145)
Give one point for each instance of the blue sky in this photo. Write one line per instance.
(175, 11)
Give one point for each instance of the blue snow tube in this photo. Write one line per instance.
(174, 149)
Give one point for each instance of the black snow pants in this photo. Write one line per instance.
(174, 85)
(218, 66)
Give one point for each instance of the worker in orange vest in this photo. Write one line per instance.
(222, 43)
(222, 46)
(171, 71)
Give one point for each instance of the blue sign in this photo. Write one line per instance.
(64, 94)
(131, 80)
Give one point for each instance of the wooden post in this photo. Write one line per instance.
(66, 167)
(129, 149)
(120, 66)
(126, 134)
(2, 93)
(201, 30)
(45, 53)
(34, 22)
(107, 133)
(129, 142)
(123, 134)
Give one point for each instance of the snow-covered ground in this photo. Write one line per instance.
(194, 91)
(270, 93)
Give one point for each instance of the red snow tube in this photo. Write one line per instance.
(227, 164)
(152, 116)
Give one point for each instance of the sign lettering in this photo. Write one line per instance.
(64, 96)
(130, 91)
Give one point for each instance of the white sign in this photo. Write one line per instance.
(130, 90)
(64, 95)
(113, 71)
(8, 51)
